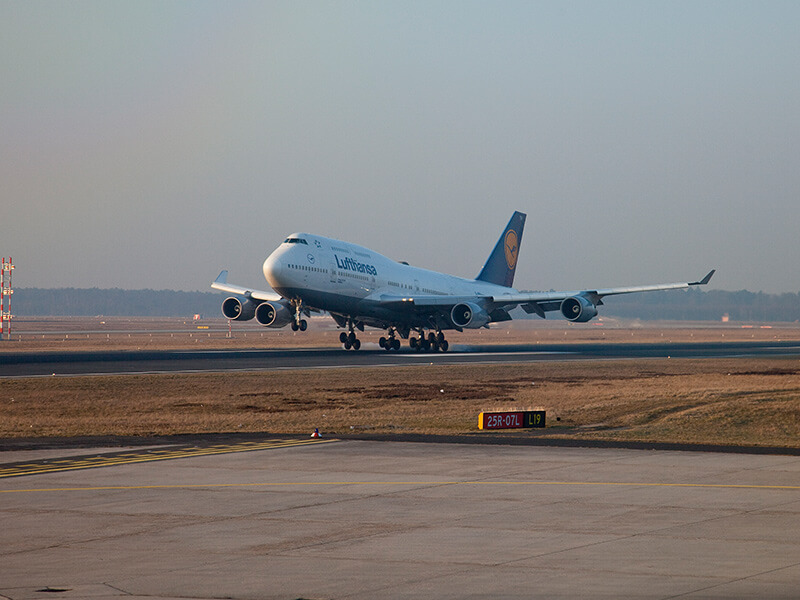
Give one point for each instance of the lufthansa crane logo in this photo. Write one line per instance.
(512, 248)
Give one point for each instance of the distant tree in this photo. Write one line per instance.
(691, 305)
(113, 302)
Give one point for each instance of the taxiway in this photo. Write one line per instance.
(361, 519)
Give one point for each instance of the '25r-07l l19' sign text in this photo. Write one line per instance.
(511, 419)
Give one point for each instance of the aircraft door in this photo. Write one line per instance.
(332, 268)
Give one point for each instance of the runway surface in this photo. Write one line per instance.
(25, 364)
(364, 520)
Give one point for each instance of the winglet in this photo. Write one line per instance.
(705, 279)
(222, 277)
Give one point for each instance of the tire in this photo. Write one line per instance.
(303, 324)
(347, 345)
(343, 337)
(357, 344)
(444, 346)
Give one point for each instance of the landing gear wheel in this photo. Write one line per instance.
(303, 325)
(413, 343)
(444, 346)
(432, 344)
(382, 342)
(395, 344)
(343, 337)
(347, 345)
(295, 326)
(356, 344)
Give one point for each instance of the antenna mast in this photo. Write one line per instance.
(6, 267)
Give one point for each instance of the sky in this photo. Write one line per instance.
(152, 144)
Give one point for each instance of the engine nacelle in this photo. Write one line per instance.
(469, 316)
(578, 309)
(233, 308)
(273, 314)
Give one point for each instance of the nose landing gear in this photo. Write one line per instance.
(299, 323)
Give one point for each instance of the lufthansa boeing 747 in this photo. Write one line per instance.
(360, 288)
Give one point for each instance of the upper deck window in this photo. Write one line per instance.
(295, 241)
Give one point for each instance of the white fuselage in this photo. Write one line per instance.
(341, 277)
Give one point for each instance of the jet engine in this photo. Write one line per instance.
(469, 316)
(273, 314)
(578, 309)
(233, 308)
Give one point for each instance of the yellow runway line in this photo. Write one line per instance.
(283, 484)
(125, 458)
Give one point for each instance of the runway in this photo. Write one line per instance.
(29, 364)
(365, 519)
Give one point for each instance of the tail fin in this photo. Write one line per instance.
(502, 263)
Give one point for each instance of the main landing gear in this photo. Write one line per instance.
(390, 343)
(435, 342)
(350, 340)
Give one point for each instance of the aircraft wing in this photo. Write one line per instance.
(598, 294)
(221, 283)
(541, 302)
(531, 302)
(424, 301)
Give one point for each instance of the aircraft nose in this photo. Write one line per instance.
(273, 270)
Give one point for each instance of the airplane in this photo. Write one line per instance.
(360, 288)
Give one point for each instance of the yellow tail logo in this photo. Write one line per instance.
(512, 248)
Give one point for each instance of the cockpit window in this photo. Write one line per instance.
(295, 241)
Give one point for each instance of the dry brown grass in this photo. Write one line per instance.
(730, 401)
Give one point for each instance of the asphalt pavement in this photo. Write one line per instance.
(28, 364)
(368, 519)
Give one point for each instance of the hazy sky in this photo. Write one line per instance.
(151, 144)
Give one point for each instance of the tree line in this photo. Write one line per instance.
(77, 302)
(690, 305)
(699, 305)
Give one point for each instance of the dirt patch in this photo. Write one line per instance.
(710, 401)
